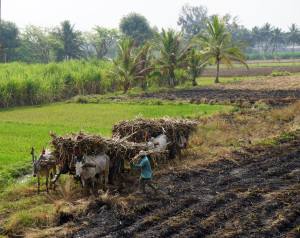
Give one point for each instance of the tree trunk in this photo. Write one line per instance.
(126, 87)
(218, 69)
(293, 53)
(172, 76)
(194, 82)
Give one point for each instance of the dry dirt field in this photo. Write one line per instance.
(273, 90)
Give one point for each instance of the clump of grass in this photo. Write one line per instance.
(114, 201)
(17, 192)
(278, 74)
(68, 189)
(38, 217)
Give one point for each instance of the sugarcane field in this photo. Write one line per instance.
(126, 119)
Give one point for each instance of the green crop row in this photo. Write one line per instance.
(22, 84)
(286, 55)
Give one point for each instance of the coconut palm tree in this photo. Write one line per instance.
(130, 63)
(267, 33)
(277, 38)
(215, 45)
(195, 66)
(256, 37)
(172, 50)
(293, 36)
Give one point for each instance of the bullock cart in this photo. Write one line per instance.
(121, 150)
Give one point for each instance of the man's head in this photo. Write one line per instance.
(142, 153)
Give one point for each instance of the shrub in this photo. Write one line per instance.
(278, 74)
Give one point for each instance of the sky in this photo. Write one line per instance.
(161, 13)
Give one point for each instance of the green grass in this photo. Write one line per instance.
(22, 128)
(211, 80)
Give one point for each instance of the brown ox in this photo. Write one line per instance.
(44, 166)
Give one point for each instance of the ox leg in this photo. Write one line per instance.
(47, 186)
(106, 173)
(54, 171)
(38, 180)
(93, 185)
(56, 176)
(101, 179)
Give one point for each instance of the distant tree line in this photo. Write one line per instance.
(262, 40)
(42, 45)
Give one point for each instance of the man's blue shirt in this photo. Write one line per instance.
(145, 168)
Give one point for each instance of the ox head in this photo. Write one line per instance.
(150, 145)
(36, 166)
(182, 141)
(78, 166)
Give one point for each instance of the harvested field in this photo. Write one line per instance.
(277, 90)
(252, 192)
(243, 72)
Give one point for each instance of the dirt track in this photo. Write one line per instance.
(251, 193)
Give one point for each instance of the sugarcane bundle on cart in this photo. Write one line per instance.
(71, 148)
(141, 129)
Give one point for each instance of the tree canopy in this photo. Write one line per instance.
(131, 63)
(9, 38)
(136, 27)
(173, 51)
(101, 41)
(215, 44)
(70, 39)
(192, 19)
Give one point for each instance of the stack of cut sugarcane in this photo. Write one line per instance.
(135, 130)
(91, 144)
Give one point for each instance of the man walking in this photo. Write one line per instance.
(146, 173)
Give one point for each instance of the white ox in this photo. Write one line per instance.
(158, 142)
(162, 140)
(91, 167)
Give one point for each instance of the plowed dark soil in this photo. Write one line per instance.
(274, 91)
(241, 72)
(253, 192)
